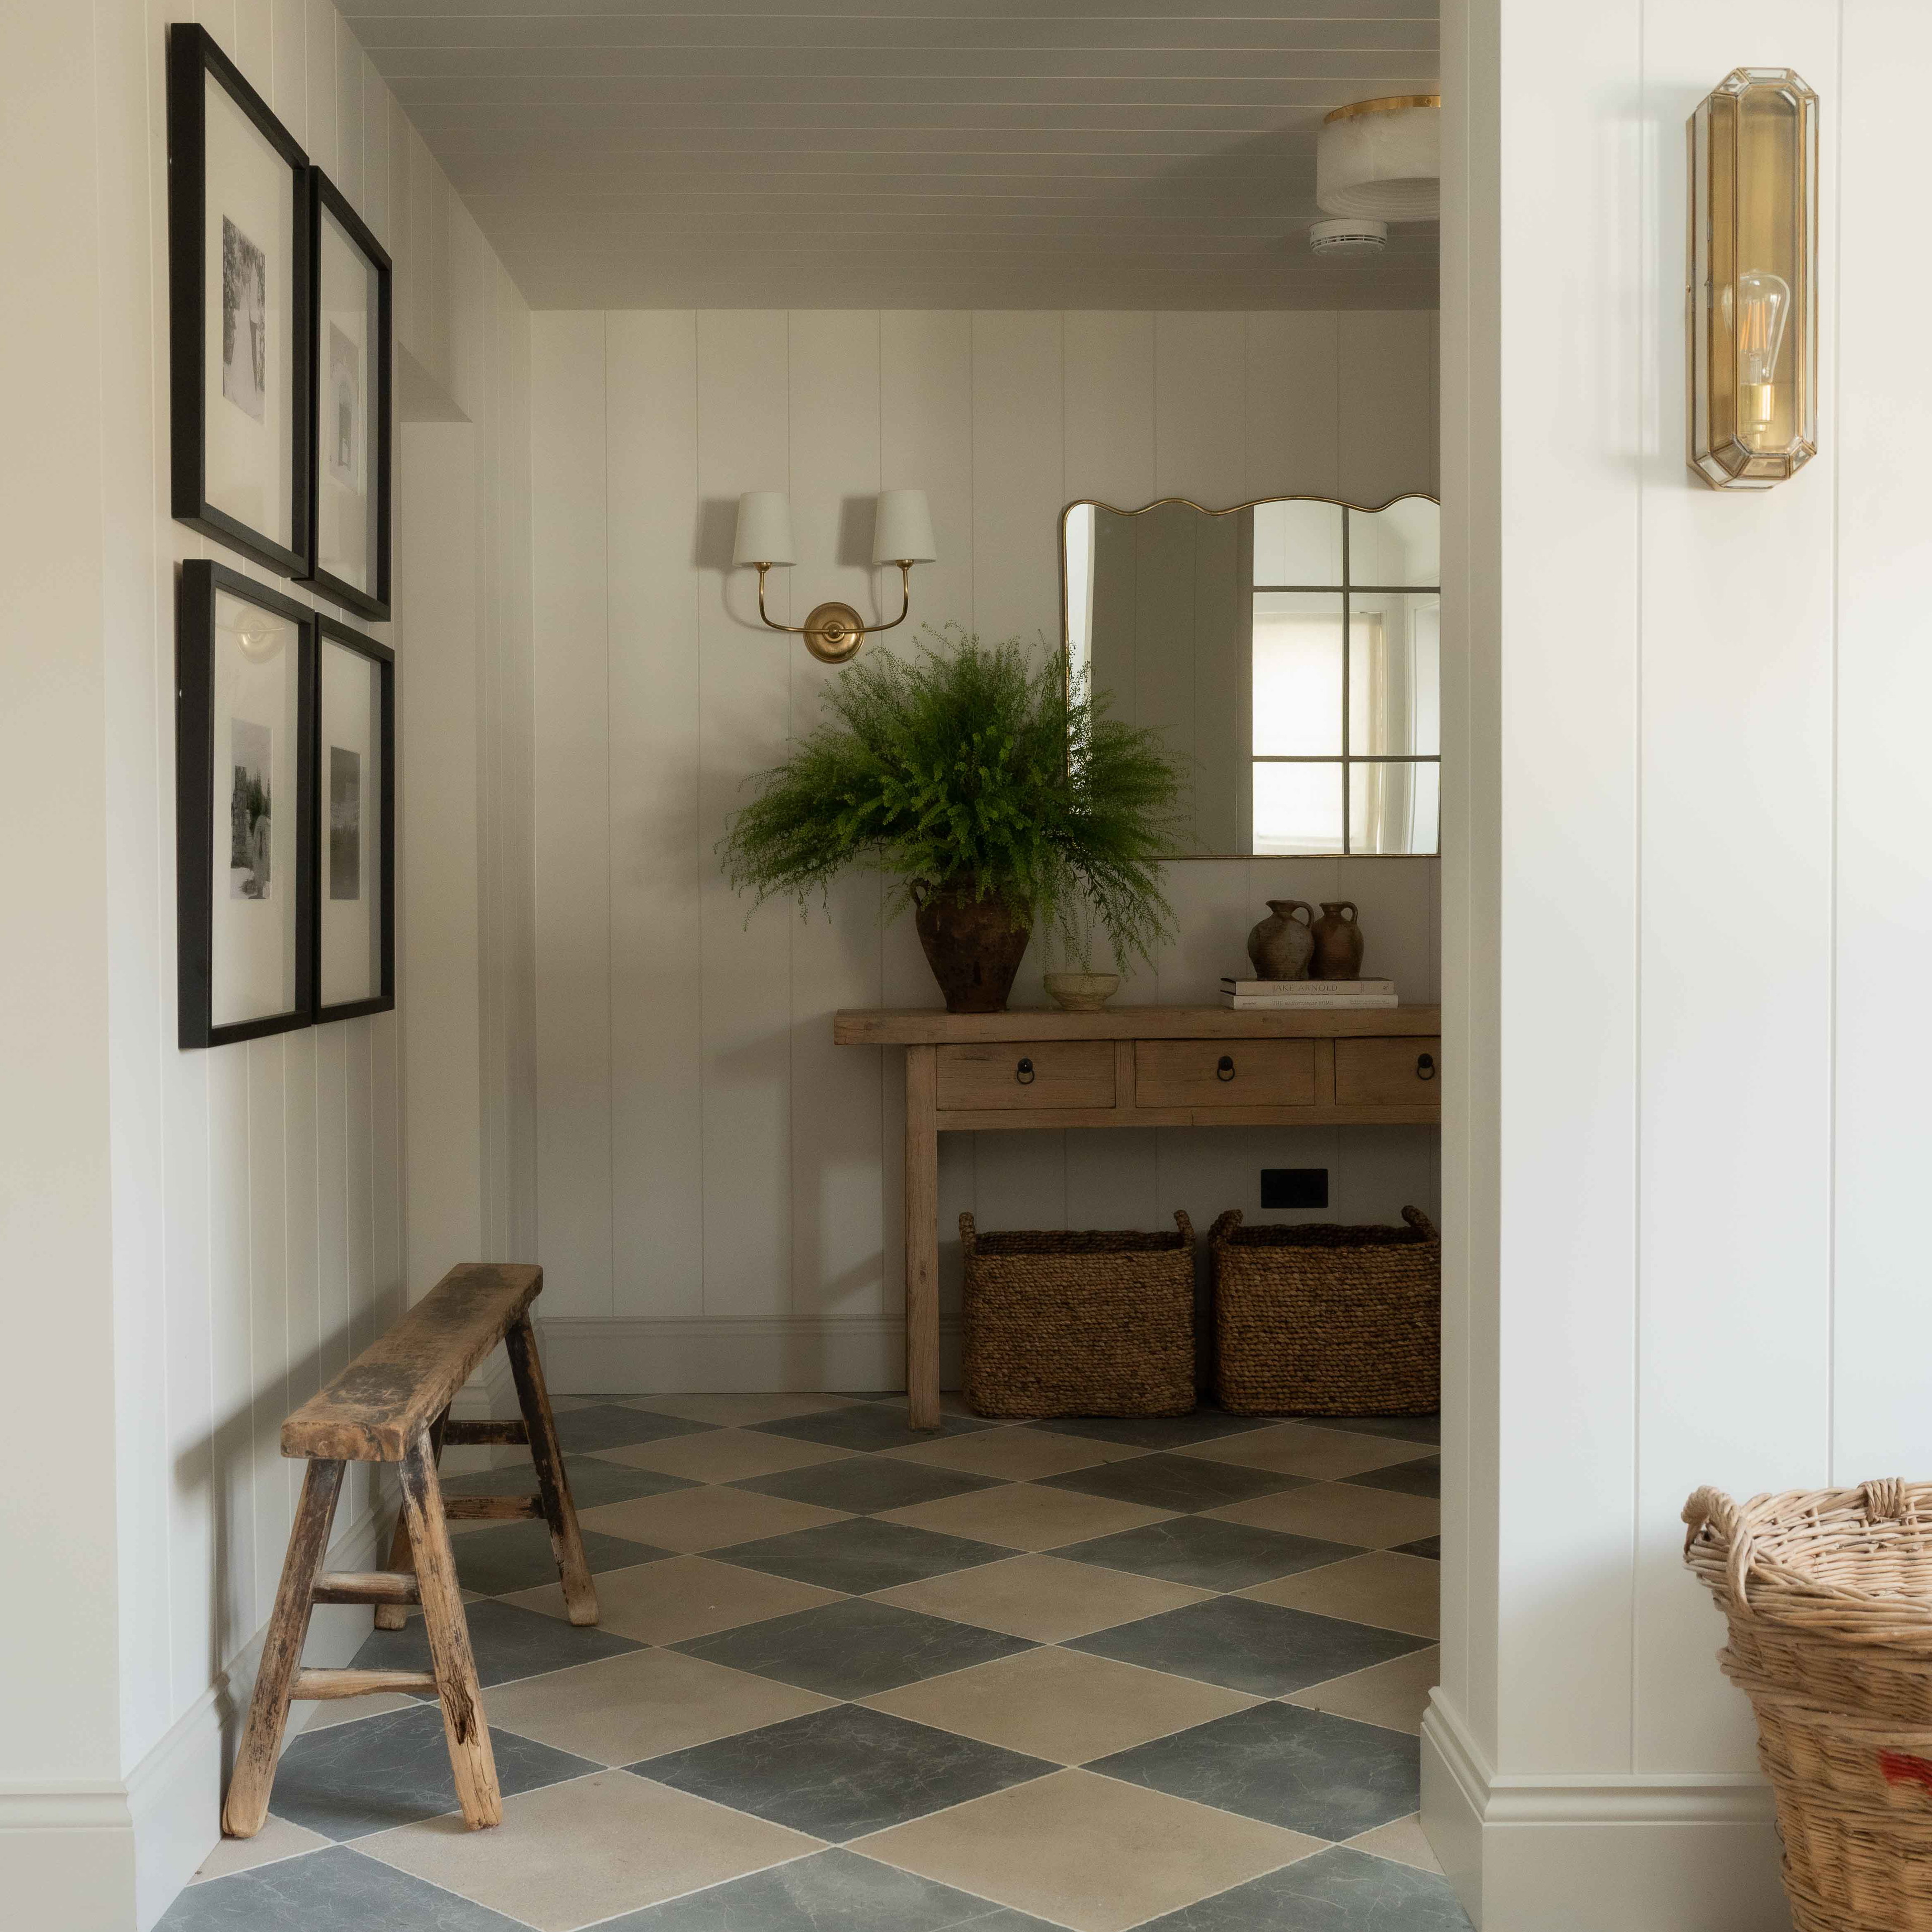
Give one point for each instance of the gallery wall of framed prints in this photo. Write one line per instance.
(280, 320)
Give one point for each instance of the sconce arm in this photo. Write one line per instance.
(905, 601)
(794, 630)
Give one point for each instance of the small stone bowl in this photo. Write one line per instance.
(1081, 992)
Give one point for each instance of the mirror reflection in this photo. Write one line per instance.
(1288, 649)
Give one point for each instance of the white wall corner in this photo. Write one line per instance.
(1597, 1852)
(172, 1802)
(490, 1395)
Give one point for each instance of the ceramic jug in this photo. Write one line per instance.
(1280, 945)
(1338, 942)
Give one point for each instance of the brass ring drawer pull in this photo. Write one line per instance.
(1024, 1073)
(1224, 1068)
(1425, 1066)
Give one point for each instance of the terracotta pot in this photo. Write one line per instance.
(1281, 944)
(1338, 942)
(974, 947)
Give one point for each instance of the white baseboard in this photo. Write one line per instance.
(1597, 1852)
(113, 1856)
(639, 1356)
(490, 1394)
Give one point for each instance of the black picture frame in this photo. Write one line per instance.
(325, 199)
(193, 57)
(197, 798)
(384, 660)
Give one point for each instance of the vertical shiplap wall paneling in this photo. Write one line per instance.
(1883, 1321)
(925, 442)
(573, 820)
(745, 700)
(1725, 634)
(656, 865)
(834, 393)
(268, 1301)
(324, 71)
(1019, 488)
(288, 30)
(350, 65)
(1113, 1178)
(723, 1089)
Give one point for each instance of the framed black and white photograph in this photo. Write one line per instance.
(350, 359)
(355, 824)
(239, 313)
(244, 790)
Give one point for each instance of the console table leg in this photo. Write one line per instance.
(921, 1236)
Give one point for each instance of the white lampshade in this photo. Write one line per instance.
(764, 529)
(1382, 159)
(902, 532)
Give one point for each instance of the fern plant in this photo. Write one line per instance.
(968, 769)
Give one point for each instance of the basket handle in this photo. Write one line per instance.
(967, 1234)
(1421, 1223)
(1885, 1501)
(1186, 1226)
(1226, 1222)
(1709, 1508)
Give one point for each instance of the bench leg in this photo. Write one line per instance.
(470, 1756)
(254, 1776)
(566, 1542)
(393, 1616)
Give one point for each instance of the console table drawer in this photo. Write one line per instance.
(1224, 1073)
(1388, 1072)
(1038, 1073)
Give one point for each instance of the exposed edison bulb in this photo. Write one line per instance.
(1763, 309)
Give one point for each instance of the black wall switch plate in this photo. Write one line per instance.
(1294, 1187)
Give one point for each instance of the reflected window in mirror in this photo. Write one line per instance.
(1289, 651)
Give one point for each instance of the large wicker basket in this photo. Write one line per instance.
(1097, 1323)
(1323, 1320)
(1828, 1596)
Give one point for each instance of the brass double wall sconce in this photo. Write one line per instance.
(1754, 296)
(902, 534)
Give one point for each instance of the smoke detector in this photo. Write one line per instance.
(1349, 234)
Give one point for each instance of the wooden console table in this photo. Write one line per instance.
(1128, 1067)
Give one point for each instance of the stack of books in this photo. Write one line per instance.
(1313, 995)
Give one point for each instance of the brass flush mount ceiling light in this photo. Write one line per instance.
(1752, 302)
(902, 534)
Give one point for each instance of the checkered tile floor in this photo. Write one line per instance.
(1083, 1675)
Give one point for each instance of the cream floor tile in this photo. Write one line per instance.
(276, 1840)
(683, 1596)
(737, 1411)
(1018, 1454)
(723, 1455)
(1044, 1597)
(1086, 1852)
(1401, 1840)
(690, 1520)
(1389, 1590)
(1338, 1513)
(623, 1709)
(572, 1854)
(1394, 1695)
(1302, 1449)
(1061, 1705)
(1023, 1516)
(331, 1711)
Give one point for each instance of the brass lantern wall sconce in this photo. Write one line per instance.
(1754, 293)
(902, 534)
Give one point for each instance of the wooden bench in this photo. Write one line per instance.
(391, 1404)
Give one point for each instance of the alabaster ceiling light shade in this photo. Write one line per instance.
(1753, 273)
(902, 534)
(1382, 160)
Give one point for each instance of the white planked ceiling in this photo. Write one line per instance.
(812, 154)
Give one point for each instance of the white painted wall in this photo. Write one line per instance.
(1686, 888)
(193, 1240)
(718, 1184)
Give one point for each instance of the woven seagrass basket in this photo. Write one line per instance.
(1325, 1320)
(1098, 1323)
(1827, 1593)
